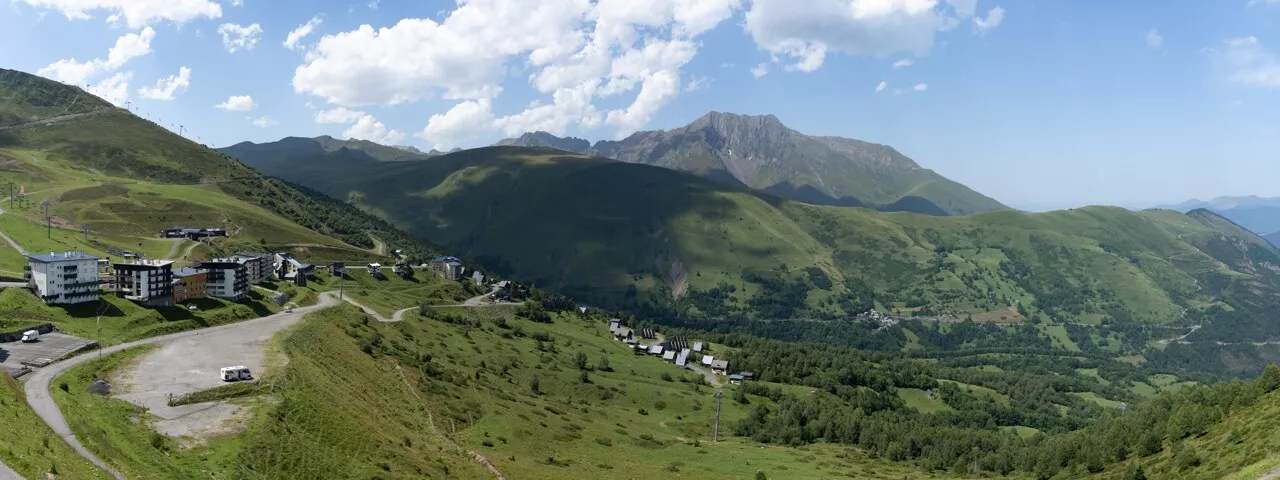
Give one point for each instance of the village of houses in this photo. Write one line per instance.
(676, 350)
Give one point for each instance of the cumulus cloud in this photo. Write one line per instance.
(760, 70)
(904, 63)
(265, 122)
(994, 17)
(920, 87)
(167, 88)
(237, 37)
(114, 89)
(1154, 39)
(575, 51)
(881, 86)
(363, 126)
(291, 41)
(237, 103)
(127, 47)
(135, 13)
(1248, 62)
(805, 32)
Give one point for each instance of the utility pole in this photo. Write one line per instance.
(342, 279)
(716, 435)
(85, 230)
(180, 129)
(48, 221)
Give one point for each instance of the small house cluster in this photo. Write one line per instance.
(77, 277)
(677, 349)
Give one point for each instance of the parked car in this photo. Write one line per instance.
(30, 336)
(235, 374)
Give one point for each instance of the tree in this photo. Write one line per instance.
(535, 385)
(603, 365)
(583, 376)
(1136, 474)
(761, 476)
(580, 360)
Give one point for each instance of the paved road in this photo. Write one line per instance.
(8, 474)
(37, 387)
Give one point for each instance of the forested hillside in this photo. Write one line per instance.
(701, 253)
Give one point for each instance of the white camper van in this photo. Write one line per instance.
(30, 336)
(235, 374)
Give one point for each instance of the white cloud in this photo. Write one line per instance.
(760, 70)
(237, 3)
(114, 89)
(994, 17)
(1248, 62)
(575, 51)
(463, 122)
(698, 84)
(373, 4)
(920, 87)
(301, 32)
(127, 47)
(166, 88)
(236, 37)
(363, 126)
(135, 13)
(904, 63)
(238, 103)
(1154, 39)
(806, 31)
(265, 122)
(881, 86)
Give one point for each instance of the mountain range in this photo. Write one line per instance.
(761, 153)
(690, 249)
(1260, 215)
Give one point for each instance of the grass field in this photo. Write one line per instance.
(391, 293)
(919, 400)
(415, 396)
(28, 446)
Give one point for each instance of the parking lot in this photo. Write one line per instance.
(15, 355)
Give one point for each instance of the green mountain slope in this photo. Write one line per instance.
(121, 175)
(686, 247)
(762, 153)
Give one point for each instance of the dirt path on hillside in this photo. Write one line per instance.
(431, 423)
(59, 118)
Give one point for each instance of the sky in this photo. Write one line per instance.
(1039, 104)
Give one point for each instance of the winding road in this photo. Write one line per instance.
(37, 387)
(40, 399)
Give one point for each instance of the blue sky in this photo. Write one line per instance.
(1040, 104)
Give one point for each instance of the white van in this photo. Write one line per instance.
(235, 374)
(30, 336)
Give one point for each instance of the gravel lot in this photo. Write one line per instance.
(50, 347)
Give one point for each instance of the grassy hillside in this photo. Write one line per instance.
(623, 234)
(125, 176)
(26, 98)
(360, 399)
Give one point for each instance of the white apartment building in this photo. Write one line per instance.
(228, 278)
(69, 277)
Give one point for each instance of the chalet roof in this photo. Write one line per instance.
(707, 359)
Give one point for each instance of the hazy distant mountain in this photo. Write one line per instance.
(762, 153)
(544, 139)
(1258, 214)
